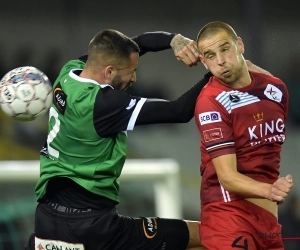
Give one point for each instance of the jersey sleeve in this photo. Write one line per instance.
(115, 111)
(215, 128)
(153, 41)
(149, 42)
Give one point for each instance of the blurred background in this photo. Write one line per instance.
(46, 34)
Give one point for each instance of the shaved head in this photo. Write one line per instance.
(214, 28)
(110, 47)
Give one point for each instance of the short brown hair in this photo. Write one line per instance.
(111, 47)
(213, 28)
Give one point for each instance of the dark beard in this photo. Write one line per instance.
(117, 83)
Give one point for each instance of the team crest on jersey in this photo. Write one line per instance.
(234, 98)
(60, 99)
(273, 93)
(209, 117)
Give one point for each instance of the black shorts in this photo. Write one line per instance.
(106, 230)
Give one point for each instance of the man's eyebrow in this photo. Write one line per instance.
(221, 45)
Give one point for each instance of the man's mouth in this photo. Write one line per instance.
(226, 73)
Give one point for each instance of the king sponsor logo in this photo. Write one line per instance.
(42, 244)
(272, 131)
(209, 117)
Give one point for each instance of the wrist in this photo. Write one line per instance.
(266, 191)
(174, 39)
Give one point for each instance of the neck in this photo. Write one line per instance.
(86, 73)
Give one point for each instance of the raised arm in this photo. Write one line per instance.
(184, 48)
(154, 41)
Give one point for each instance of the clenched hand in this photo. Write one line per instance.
(185, 50)
(280, 188)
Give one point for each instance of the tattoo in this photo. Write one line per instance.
(179, 42)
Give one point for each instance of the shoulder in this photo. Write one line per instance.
(70, 65)
(269, 82)
(208, 99)
(74, 64)
(110, 98)
(266, 78)
(212, 89)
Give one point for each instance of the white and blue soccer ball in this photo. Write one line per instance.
(25, 93)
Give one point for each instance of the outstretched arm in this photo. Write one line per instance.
(116, 111)
(154, 41)
(180, 110)
(184, 48)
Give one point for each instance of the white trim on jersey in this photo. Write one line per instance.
(81, 79)
(243, 99)
(135, 113)
(220, 145)
(225, 193)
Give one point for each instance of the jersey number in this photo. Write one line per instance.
(53, 133)
(236, 245)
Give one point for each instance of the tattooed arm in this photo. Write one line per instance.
(185, 50)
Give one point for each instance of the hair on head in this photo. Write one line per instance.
(213, 28)
(111, 47)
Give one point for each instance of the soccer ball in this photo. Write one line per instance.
(25, 93)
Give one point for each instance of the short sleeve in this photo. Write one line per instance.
(215, 127)
(115, 111)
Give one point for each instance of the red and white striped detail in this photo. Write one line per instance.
(226, 195)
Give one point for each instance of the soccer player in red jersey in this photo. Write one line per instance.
(241, 118)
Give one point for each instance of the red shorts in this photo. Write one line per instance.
(239, 225)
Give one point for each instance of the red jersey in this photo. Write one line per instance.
(248, 122)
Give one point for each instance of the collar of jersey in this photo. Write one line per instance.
(81, 79)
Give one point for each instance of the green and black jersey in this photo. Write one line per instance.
(87, 139)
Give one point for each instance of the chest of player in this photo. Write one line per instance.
(257, 121)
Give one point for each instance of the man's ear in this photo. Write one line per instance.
(240, 45)
(109, 72)
(202, 60)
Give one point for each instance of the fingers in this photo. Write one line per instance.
(289, 178)
(283, 185)
(189, 54)
(185, 50)
(281, 188)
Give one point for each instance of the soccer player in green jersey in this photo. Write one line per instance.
(86, 149)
